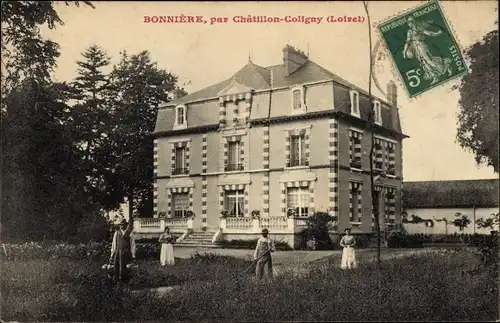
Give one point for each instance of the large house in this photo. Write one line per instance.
(437, 202)
(270, 146)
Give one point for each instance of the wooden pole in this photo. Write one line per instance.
(474, 219)
(370, 126)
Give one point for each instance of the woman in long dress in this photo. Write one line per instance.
(167, 250)
(121, 256)
(433, 67)
(348, 254)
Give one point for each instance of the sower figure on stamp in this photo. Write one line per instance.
(415, 47)
(121, 255)
(263, 255)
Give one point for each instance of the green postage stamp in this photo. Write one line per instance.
(423, 48)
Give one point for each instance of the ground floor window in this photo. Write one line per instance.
(298, 201)
(180, 204)
(234, 203)
(354, 204)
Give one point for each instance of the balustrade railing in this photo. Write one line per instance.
(149, 223)
(176, 223)
(239, 223)
(156, 225)
(279, 223)
(300, 222)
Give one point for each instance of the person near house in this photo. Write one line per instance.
(132, 246)
(121, 256)
(348, 254)
(262, 255)
(167, 250)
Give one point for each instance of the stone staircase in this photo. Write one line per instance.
(199, 239)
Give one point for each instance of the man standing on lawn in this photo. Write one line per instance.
(262, 255)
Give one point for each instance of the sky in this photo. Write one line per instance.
(204, 54)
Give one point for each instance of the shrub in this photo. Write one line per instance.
(489, 247)
(401, 240)
(250, 244)
(318, 228)
(93, 227)
(39, 251)
(365, 240)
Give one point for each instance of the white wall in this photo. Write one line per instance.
(449, 214)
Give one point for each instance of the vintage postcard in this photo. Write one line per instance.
(249, 161)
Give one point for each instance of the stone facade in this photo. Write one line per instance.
(271, 140)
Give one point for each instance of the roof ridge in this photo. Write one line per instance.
(454, 180)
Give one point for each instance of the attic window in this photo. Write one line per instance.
(355, 103)
(298, 99)
(180, 117)
(377, 109)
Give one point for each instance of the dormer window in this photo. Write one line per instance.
(180, 117)
(377, 109)
(298, 105)
(355, 103)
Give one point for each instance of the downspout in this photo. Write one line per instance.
(270, 98)
(269, 136)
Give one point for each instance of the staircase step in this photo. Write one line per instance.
(207, 246)
(200, 235)
(195, 241)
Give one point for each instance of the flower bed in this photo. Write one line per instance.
(36, 251)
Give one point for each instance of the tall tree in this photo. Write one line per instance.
(478, 117)
(91, 116)
(40, 174)
(40, 177)
(139, 86)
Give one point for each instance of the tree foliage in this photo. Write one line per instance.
(41, 181)
(317, 228)
(25, 54)
(139, 85)
(478, 117)
(461, 221)
(73, 150)
(491, 223)
(91, 116)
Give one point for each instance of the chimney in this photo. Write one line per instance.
(392, 93)
(177, 93)
(392, 97)
(293, 59)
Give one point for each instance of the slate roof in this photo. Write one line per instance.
(459, 193)
(259, 78)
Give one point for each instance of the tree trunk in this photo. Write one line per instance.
(130, 201)
(371, 129)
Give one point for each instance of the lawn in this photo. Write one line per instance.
(430, 286)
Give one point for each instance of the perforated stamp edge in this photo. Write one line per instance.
(394, 67)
